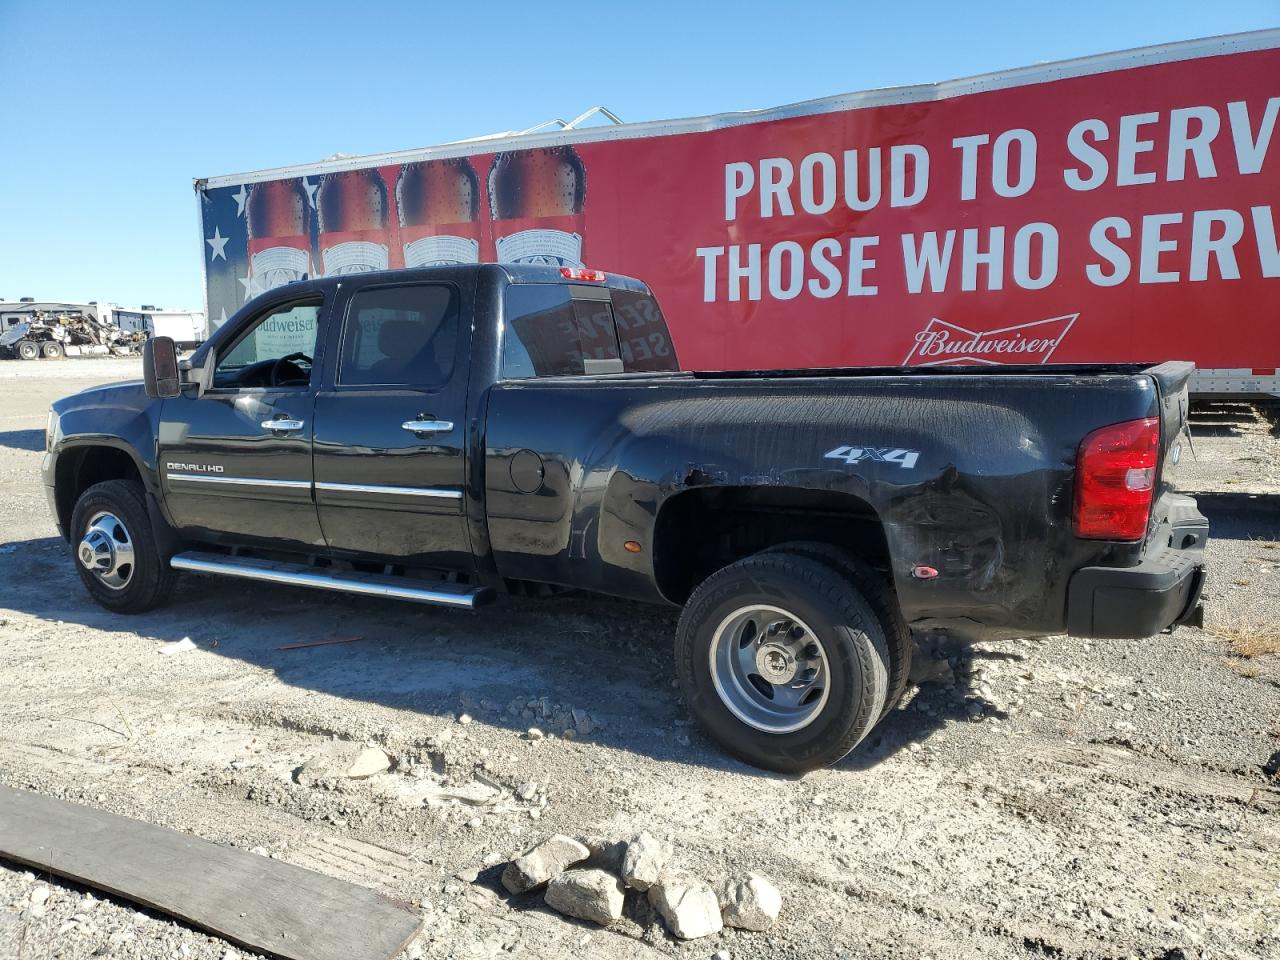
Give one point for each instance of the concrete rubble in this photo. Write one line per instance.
(688, 905)
(591, 895)
(588, 878)
(751, 902)
(543, 863)
(643, 862)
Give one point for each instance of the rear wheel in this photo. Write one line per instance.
(115, 549)
(783, 661)
(27, 350)
(52, 350)
(879, 596)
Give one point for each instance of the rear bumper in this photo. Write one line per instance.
(1160, 593)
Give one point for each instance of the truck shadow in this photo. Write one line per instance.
(23, 440)
(1241, 516)
(594, 669)
(946, 688)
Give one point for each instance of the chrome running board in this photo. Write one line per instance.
(344, 581)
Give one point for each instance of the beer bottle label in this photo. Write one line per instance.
(441, 250)
(275, 266)
(354, 256)
(541, 245)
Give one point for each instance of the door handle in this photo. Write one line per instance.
(427, 426)
(282, 425)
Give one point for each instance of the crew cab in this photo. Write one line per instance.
(446, 435)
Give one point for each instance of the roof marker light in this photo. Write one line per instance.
(583, 274)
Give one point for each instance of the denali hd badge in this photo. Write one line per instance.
(906, 459)
(195, 467)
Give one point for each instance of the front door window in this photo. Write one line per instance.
(277, 350)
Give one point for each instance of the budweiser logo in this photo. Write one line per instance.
(942, 342)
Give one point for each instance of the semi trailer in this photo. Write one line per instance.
(1070, 212)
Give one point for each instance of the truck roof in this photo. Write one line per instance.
(515, 273)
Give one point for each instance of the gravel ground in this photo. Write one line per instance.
(1047, 798)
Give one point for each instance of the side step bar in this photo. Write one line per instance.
(343, 581)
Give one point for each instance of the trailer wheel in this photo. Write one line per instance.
(879, 596)
(783, 661)
(115, 550)
(27, 350)
(52, 350)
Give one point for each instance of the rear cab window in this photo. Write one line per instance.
(557, 330)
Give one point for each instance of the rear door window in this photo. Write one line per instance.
(402, 336)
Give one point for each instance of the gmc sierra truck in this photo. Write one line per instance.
(444, 435)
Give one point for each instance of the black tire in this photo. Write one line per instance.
(851, 637)
(52, 350)
(151, 579)
(27, 350)
(880, 597)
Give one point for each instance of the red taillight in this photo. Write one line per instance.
(583, 274)
(1116, 479)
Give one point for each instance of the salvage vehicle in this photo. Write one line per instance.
(54, 336)
(448, 434)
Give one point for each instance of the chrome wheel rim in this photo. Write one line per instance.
(769, 668)
(106, 551)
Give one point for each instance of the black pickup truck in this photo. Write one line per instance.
(448, 434)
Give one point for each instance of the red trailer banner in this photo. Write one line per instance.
(1117, 210)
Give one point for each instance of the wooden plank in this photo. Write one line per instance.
(253, 901)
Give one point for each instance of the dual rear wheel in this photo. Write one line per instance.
(789, 657)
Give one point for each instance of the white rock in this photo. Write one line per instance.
(544, 862)
(38, 898)
(534, 733)
(592, 895)
(751, 902)
(338, 760)
(184, 645)
(688, 905)
(643, 862)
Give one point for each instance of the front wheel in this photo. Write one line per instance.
(115, 549)
(28, 350)
(783, 661)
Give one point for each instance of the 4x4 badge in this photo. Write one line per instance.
(906, 459)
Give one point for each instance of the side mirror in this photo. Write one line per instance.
(160, 367)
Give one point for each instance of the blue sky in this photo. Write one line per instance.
(108, 110)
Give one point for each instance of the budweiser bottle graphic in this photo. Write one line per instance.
(536, 199)
(438, 202)
(279, 219)
(353, 222)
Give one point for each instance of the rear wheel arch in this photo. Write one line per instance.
(704, 529)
